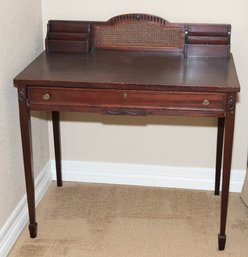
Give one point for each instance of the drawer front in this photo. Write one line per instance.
(106, 98)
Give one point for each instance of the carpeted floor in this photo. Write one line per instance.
(96, 220)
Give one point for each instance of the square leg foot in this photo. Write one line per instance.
(33, 230)
(59, 183)
(216, 192)
(222, 241)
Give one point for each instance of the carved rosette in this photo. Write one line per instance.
(21, 94)
(231, 103)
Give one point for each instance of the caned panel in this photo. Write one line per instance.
(138, 34)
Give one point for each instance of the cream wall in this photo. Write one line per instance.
(153, 140)
(20, 42)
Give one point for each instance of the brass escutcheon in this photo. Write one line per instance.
(46, 97)
(125, 95)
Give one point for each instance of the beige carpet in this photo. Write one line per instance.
(92, 220)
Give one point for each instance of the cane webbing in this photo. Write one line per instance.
(138, 34)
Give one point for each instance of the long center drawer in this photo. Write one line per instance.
(108, 98)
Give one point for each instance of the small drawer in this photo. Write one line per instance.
(109, 98)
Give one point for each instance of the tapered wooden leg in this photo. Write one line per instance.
(57, 146)
(27, 157)
(228, 143)
(219, 150)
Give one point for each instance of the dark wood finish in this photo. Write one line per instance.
(228, 143)
(207, 40)
(220, 133)
(57, 146)
(68, 37)
(27, 158)
(138, 31)
(155, 71)
(103, 99)
(79, 77)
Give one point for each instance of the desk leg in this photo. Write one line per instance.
(220, 133)
(57, 146)
(27, 158)
(228, 143)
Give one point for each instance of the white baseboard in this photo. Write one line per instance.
(145, 175)
(19, 217)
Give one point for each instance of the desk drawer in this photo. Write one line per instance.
(133, 99)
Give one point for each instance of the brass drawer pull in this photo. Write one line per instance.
(205, 102)
(46, 97)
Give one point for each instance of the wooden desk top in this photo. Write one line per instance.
(132, 70)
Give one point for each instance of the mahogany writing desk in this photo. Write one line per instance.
(133, 64)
